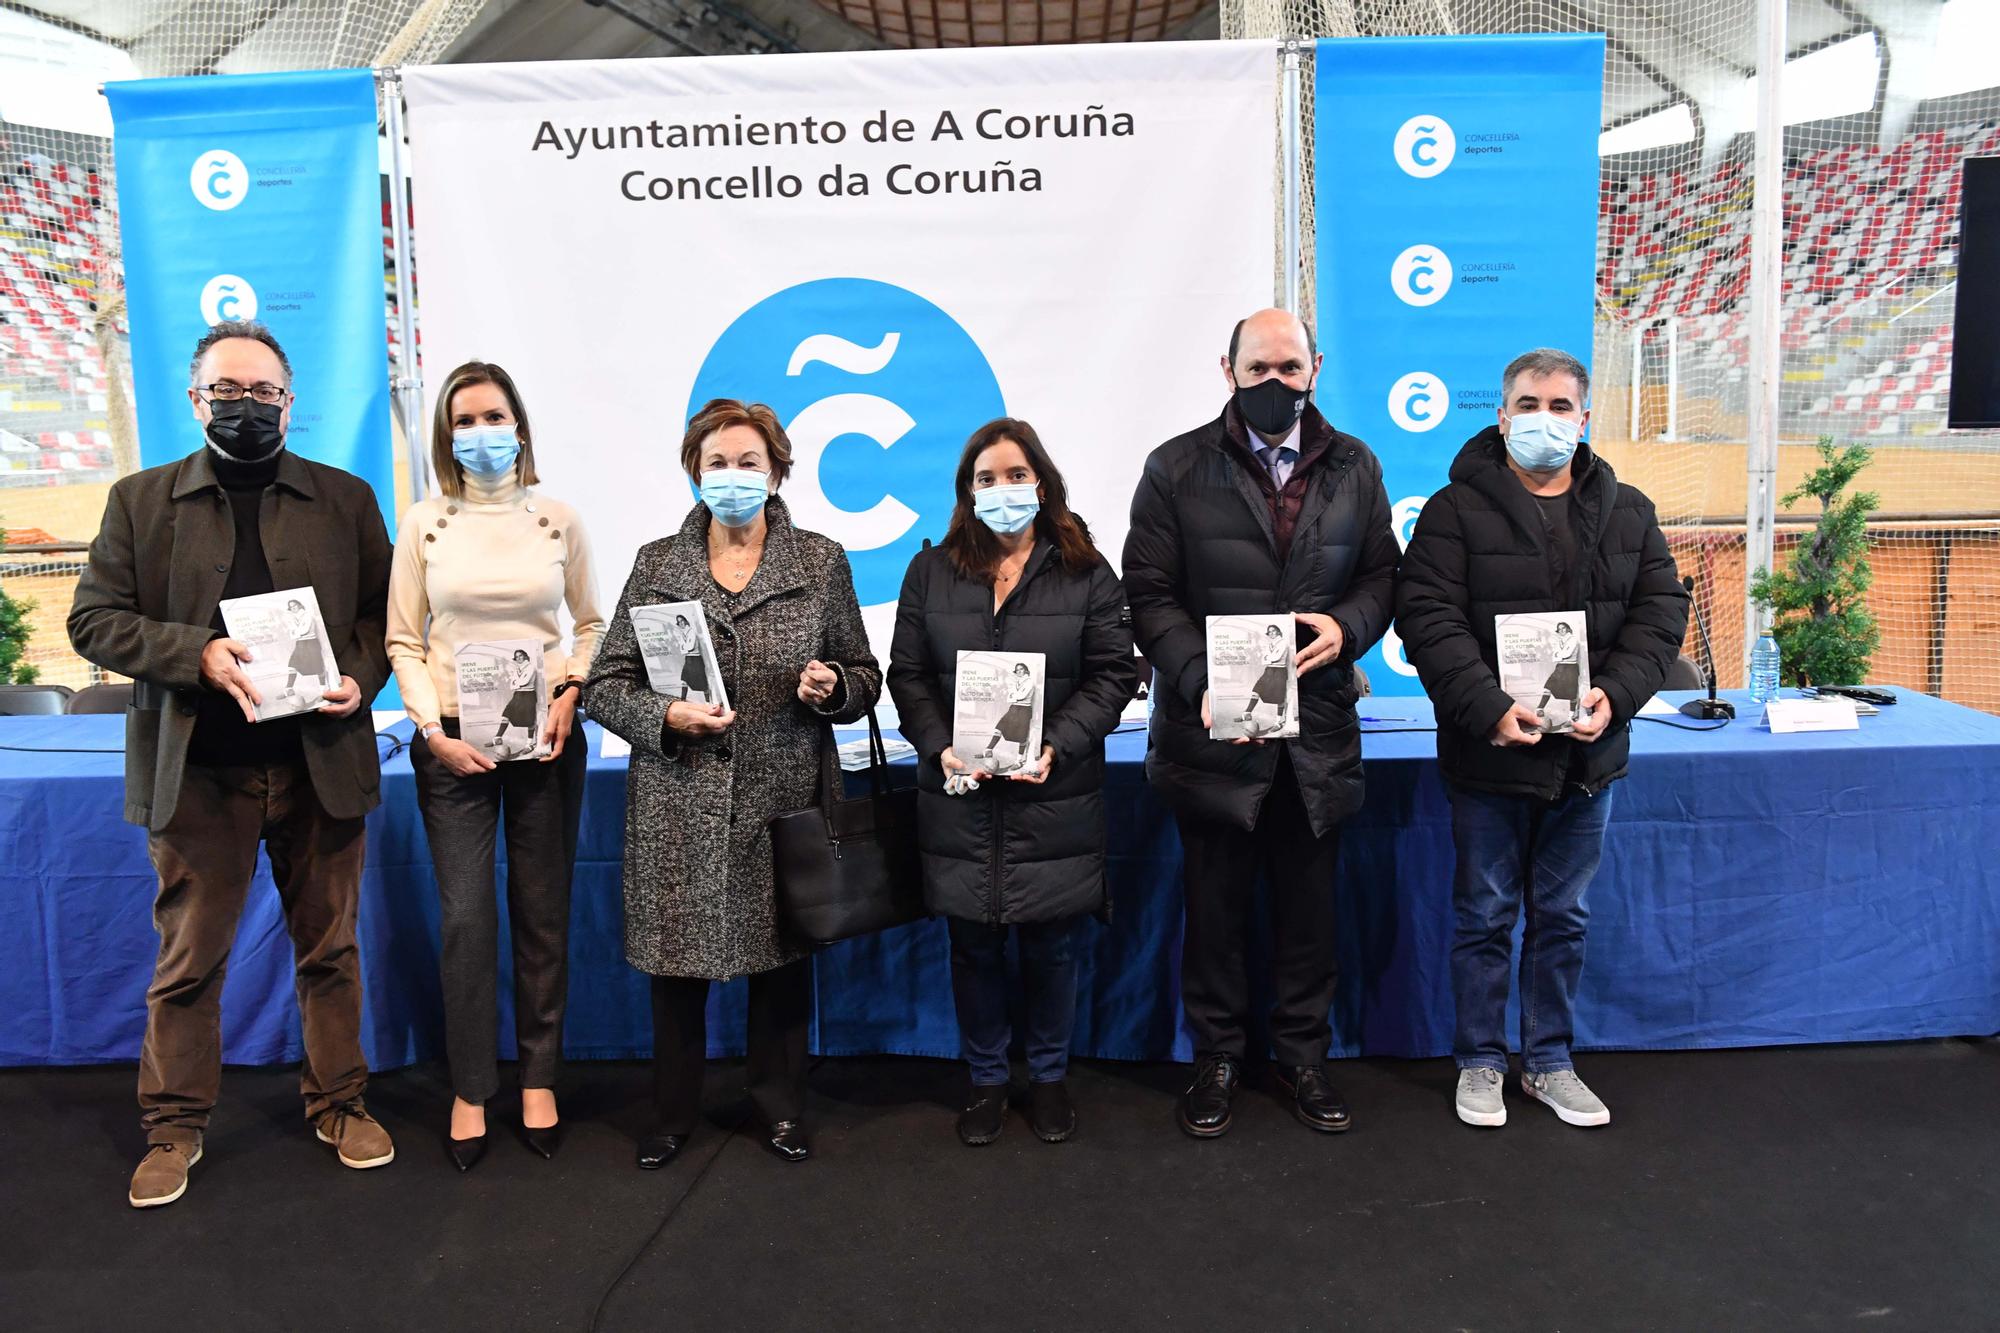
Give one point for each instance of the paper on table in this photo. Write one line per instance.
(613, 746)
(1656, 705)
(855, 755)
(1794, 715)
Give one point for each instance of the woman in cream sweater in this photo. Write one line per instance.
(489, 560)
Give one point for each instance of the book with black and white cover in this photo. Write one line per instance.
(291, 661)
(1544, 661)
(996, 710)
(1253, 677)
(679, 652)
(503, 698)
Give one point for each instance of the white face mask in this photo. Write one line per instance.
(1007, 509)
(1541, 441)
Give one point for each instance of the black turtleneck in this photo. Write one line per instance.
(221, 736)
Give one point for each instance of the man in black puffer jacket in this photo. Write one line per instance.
(1532, 521)
(1267, 509)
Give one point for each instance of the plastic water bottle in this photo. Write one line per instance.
(1764, 670)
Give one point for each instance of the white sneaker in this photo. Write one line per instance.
(1479, 1100)
(1568, 1096)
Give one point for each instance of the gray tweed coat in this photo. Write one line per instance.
(697, 854)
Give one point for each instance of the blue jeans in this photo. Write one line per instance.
(979, 988)
(1512, 848)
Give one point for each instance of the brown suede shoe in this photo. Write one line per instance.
(162, 1176)
(356, 1136)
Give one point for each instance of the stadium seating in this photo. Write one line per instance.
(1870, 248)
(53, 392)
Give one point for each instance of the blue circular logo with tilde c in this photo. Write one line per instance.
(878, 389)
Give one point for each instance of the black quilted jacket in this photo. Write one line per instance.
(1479, 551)
(1014, 851)
(1203, 543)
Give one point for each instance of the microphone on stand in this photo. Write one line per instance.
(1709, 709)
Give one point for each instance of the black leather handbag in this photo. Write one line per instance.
(848, 867)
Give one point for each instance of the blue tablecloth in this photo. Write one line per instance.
(1756, 889)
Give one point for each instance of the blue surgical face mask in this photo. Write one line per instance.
(734, 494)
(1541, 441)
(486, 451)
(1006, 509)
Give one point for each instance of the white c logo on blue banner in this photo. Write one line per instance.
(1421, 275)
(1392, 653)
(226, 296)
(1403, 518)
(1419, 401)
(219, 179)
(1425, 145)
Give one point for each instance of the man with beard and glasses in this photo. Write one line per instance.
(242, 515)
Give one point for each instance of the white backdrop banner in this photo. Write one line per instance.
(889, 248)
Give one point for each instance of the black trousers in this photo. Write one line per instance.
(542, 805)
(1220, 876)
(780, 1014)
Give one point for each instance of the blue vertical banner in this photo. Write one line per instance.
(258, 196)
(1455, 192)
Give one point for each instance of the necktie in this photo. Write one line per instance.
(1278, 462)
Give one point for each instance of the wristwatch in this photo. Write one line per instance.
(430, 729)
(565, 688)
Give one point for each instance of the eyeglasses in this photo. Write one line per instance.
(222, 391)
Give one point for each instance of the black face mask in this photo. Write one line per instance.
(247, 430)
(1272, 407)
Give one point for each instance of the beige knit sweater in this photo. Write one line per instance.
(497, 563)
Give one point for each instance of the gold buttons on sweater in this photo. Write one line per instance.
(430, 536)
(542, 521)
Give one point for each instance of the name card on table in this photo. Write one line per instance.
(1788, 715)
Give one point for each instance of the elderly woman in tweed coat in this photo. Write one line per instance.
(793, 655)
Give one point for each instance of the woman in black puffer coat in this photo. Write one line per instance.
(1022, 847)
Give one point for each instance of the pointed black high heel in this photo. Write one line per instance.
(545, 1140)
(464, 1153)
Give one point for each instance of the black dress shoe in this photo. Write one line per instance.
(1314, 1100)
(1205, 1105)
(1050, 1111)
(979, 1123)
(656, 1150)
(465, 1153)
(544, 1140)
(787, 1140)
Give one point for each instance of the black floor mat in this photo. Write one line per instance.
(1800, 1188)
